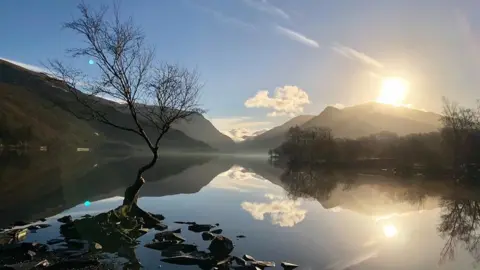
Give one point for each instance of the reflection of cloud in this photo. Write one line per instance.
(238, 179)
(285, 213)
(287, 100)
(297, 37)
(241, 174)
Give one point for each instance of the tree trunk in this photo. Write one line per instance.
(131, 193)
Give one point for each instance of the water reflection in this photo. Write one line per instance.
(317, 218)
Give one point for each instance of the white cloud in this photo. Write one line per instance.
(356, 55)
(285, 213)
(287, 100)
(224, 18)
(241, 134)
(240, 128)
(297, 37)
(338, 106)
(265, 6)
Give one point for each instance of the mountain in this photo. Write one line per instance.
(273, 137)
(32, 105)
(352, 122)
(372, 117)
(201, 129)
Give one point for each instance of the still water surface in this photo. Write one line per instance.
(373, 222)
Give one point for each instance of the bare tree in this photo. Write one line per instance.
(154, 96)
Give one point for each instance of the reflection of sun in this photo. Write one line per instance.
(393, 91)
(389, 231)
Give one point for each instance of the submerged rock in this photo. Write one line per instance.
(288, 266)
(54, 241)
(65, 219)
(217, 231)
(207, 236)
(161, 245)
(43, 225)
(185, 222)
(75, 264)
(200, 227)
(185, 260)
(221, 246)
(241, 236)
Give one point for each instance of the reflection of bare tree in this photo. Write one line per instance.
(309, 183)
(460, 222)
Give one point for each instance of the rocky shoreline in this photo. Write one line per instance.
(108, 241)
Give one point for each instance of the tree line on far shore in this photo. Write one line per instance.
(454, 147)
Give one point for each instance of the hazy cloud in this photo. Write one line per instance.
(222, 17)
(297, 37)
(239, 127)
(287, 100)
(285, 213)
(356, 55)
(265, 6)
(338, 106)
(241, 134)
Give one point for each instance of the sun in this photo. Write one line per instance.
(393, 91)
(390, 231)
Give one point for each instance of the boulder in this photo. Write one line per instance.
(20, 223)
(161, 227)
(65, 219)
(207, 236)
(169, 236)
(221, 246)
(239, 261)
(217, 231)
(200, 227)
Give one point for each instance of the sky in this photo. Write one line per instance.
(264, 61)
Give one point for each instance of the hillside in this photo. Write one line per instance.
(29, 101)
(352, 122)
(273, 137)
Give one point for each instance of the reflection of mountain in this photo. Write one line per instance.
(46, 185)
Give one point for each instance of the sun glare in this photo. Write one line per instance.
(390, 231)
(393, 91)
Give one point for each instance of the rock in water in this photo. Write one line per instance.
(42, 264)
(263, 264)
(54, 241)
(65, 219)
(217, 231)
(288, 266)
(200, 227)
(239, 261)
(179, 230)
(184, 260)
(161, 227)
(221, 246)
(207, 236)
(249, 258)
(169, 236)
(161, 245)
(241, 236)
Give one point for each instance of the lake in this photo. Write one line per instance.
(318, 220)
